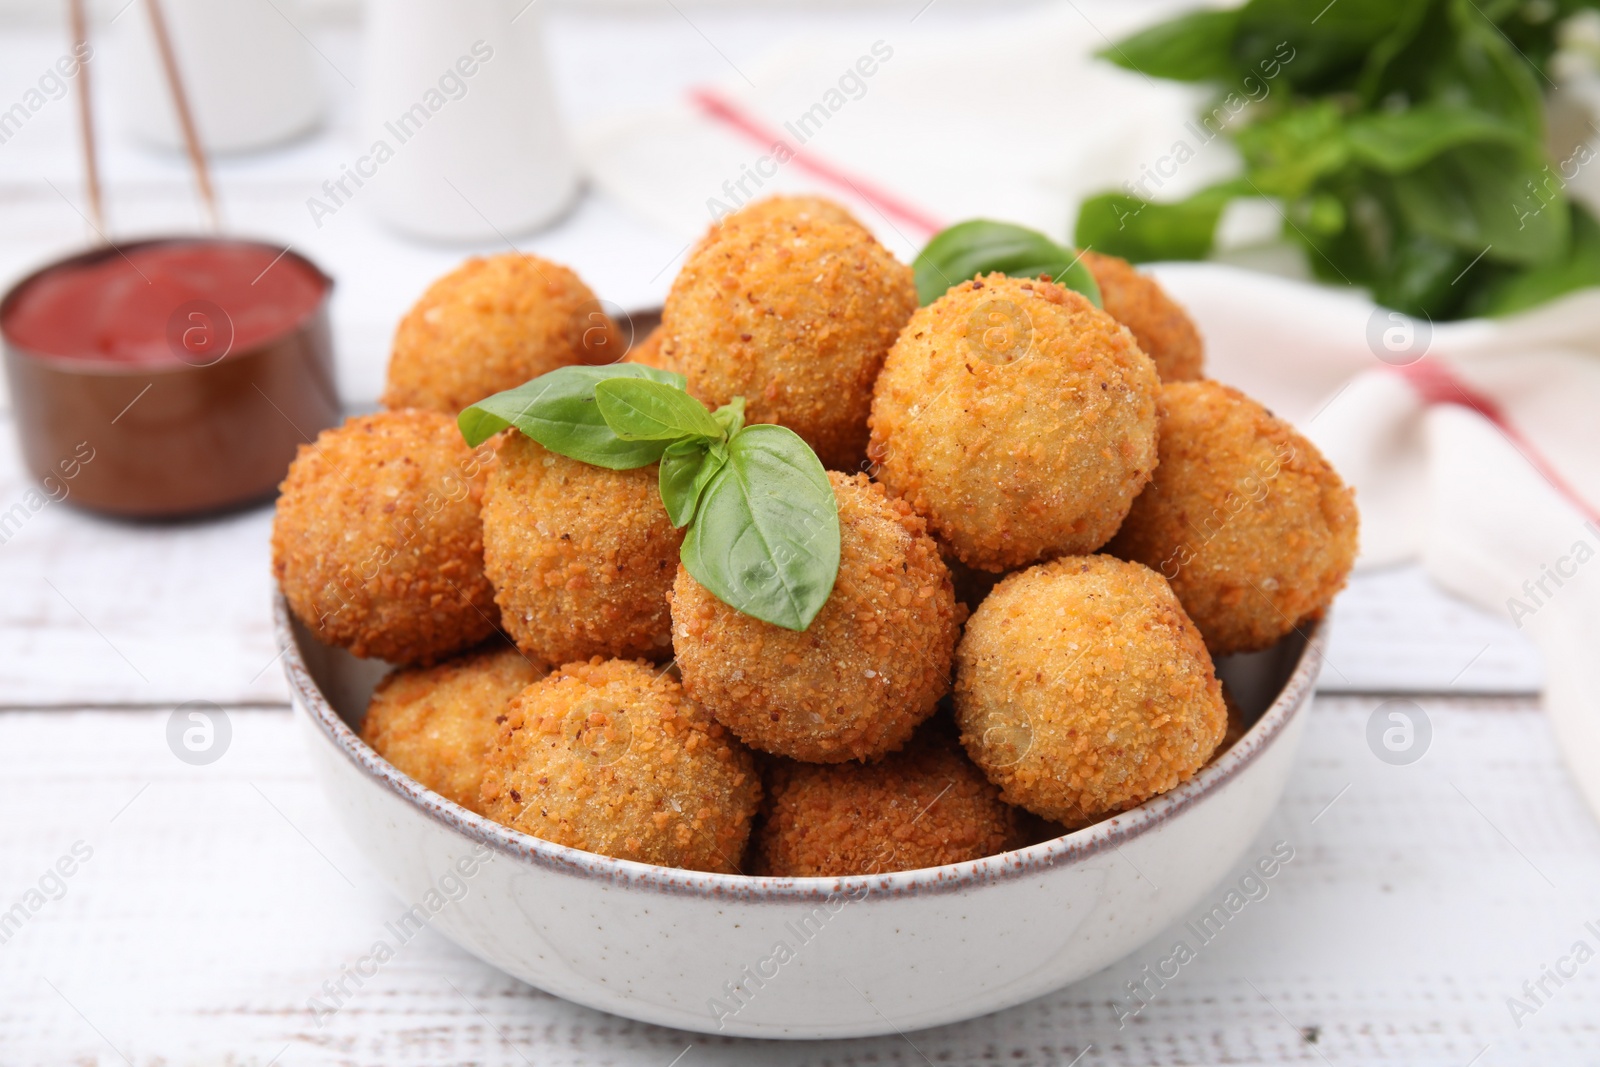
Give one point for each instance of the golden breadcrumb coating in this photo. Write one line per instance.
(490, 325)
(1082, 689)
(581, 557)
(648, 352)
(611, 757)
(1253, 528)
(1162, 328)
(791, 209)
(794, 314)
(924, 806)
(869, 669)
(437, 723)
(377, 544)
(1018, 418)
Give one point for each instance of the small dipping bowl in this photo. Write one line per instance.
(169, 377)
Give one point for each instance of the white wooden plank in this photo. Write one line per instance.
(207, 916)
(102, 611)
(1394, 630)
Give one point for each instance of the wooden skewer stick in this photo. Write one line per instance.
(180, 100)
(91, 160)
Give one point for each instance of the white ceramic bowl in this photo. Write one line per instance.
(801, 957)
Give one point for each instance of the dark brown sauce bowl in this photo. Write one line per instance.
(171, 440)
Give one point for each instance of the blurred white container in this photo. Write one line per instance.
(252, 80)
(460, 92)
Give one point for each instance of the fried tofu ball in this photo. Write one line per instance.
(1244, 517)
(377, 543)
(1082, 689)
(870, 668)
(1018, 418)
(792, 209)
(924, 806)
(490, 325)
(581, 557)
(611, 757)
(1162, 328)
(794, 314)
(437, 723)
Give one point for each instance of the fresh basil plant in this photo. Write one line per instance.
(763, 523)
(1404, 143)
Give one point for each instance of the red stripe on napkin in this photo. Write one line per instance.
(725, 111)
(1438, 384)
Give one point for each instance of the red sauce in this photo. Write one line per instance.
(174, 302)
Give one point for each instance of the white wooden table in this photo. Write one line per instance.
(207, 905)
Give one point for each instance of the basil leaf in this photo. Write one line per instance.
(558, 410)
(979, 246)
(1477, 198)
(1288, 153)
(1190, 48)
(1484, 67)
(1395, 142)
(730, 416)
(686, 468)
(1328, 46)
(642, 410)
(1142, 231)
(1578, 269)
(765, 540)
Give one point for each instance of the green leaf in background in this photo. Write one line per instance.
(1142, 231)
(1398, 141)
(686, 468)
(1382, 60)
(1578, 269)
(558, 410)
(765, 539)
(1190, 48)
(1476, 198)
(1290, 151)
(981, 246)
(1404, 142)
(1329, 43)
(1485, 70)
(638, 409)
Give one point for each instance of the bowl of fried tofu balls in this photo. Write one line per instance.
(1048, 701)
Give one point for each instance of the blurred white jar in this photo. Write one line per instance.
(459, 91)
(252, 80)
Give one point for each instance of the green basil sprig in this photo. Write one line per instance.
(1403, 142)
(981, 246)
(763, 524)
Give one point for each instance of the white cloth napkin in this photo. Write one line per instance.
(1019, 122)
